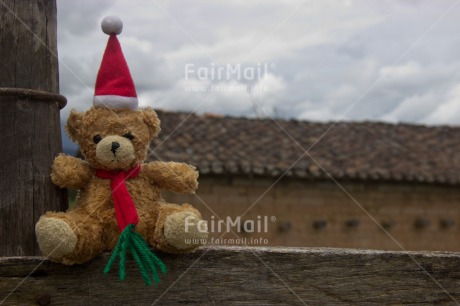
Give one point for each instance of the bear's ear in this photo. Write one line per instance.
(73, 125)
(152, 121)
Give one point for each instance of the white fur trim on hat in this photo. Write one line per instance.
(112, 101)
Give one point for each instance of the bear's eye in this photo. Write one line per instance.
(129, 136)
(97, 138)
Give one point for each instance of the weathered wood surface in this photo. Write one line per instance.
(31, 138)
(242, 275)
(29, 121)
(28, 51)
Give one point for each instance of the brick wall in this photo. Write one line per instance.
(318, 213)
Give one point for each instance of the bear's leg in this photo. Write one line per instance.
(177, 228)
(69, 238)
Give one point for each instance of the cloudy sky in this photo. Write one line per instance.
(394, 61)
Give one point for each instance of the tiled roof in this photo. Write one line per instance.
(349, 150)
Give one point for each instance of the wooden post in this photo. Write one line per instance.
(29, 121)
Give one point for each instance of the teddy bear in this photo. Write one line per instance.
(116, 189)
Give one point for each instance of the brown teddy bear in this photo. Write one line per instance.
(115, 188)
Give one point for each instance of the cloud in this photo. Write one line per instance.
(349, 60)
(269, 88)
(402, 72)
(413, 108)
(79, 18)
(447, 112)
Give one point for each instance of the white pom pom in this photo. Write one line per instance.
(111, 25)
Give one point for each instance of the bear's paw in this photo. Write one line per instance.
(185, 230)
(55, 237)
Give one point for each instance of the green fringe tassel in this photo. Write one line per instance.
(145, 259)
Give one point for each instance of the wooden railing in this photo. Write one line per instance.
(244, 275)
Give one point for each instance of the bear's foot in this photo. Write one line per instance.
(55, 238)
(184, 231)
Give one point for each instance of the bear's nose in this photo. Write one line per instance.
(115, 146)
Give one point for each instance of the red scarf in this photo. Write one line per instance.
(125, 210)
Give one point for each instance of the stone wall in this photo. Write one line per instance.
(320, 214)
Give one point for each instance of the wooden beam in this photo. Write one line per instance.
(243, 275)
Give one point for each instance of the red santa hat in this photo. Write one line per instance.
(114, 84)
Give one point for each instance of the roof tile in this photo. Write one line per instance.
(346, 150)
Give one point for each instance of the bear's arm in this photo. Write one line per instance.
(70, 172)
(172, 176)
